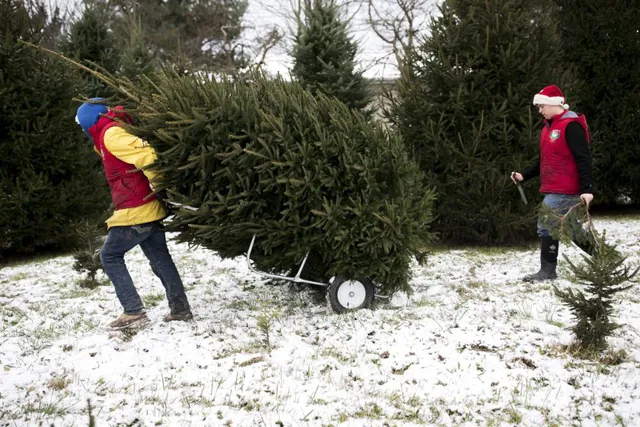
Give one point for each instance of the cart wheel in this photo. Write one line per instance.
(346, 295)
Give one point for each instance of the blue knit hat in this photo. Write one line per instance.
(89, 113)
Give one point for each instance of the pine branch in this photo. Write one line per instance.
(104, 76)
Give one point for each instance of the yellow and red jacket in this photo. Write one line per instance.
(124, 156)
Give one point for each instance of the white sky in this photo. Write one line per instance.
(375, 56)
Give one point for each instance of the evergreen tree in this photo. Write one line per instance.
(465, 112)
(91, 40)
(301, 173)
(324, 55)
(87, 256)
(49, 176)
(112, 42)
(136, 60)
(602, 41)
(601, 276)
(193, 34)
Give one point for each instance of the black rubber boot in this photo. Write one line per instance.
(548, 261)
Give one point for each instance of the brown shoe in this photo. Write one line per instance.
(184, 316)
(129, 320)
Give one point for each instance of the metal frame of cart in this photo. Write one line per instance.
(344, 294)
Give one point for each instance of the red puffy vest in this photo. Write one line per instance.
(558, 168)
(129, 186)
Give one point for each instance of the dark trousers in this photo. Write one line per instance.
(152, 241)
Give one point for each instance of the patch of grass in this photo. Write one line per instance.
(613, 357)
(401, 370)
(155, 399)
(18, 277)
(127, 334)
(426, 302)
(607, 403)
(244, 304)
(39, 338)
(414, 401)
(189, 401)
(152, 300)
(333, 352)
(58, 383)
(11, 315)
(45, 406)
(191, 384)
(521, 309)
(251, 361)
(240, 304)
(250, 405)
(84, 325)
(253, 347)
(514, 417)
(371, 411)
(49, 309)
(463, 292)
(318, 401)
(556, 323)
(408, 409)
(549, 312)
(475, 284)
(604, 358)
(620, 421)
(77, 293)
(88, 283)
(434, 411)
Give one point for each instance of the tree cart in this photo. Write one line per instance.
(344, 294)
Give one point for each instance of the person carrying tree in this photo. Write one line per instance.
(564, 167)
(138, 215)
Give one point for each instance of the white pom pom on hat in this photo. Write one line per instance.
(550, 95)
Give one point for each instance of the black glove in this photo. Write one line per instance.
(163, 198)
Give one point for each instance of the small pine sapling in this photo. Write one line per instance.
(87, 258)
(601, 276)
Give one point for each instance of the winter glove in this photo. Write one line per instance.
(163, 198)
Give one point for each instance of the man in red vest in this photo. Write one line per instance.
(564, 167)
(138, 213)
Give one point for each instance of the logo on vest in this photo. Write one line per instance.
(555, 134)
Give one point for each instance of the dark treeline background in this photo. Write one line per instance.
(462, 106)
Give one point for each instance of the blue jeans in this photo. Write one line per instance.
(560, 203)
(153, 243)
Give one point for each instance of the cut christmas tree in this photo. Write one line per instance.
(301, 173)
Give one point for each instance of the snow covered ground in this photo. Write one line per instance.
(473, 345)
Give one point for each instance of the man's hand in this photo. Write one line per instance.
(163, 198)
(516, 177)
(586, 198)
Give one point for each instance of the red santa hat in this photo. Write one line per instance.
(550, 95)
